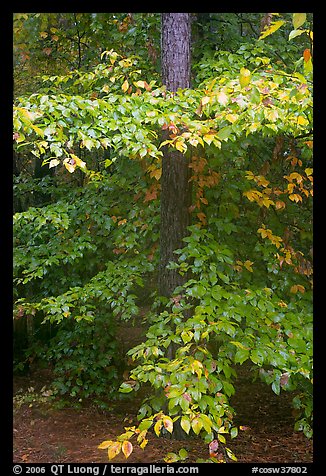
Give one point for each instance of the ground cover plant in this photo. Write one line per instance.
(186, 206)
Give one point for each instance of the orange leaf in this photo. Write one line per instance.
(202, 217)
(204, 200)
(150, 195)
(279, 204)
(306, 55)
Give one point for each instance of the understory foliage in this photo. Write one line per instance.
(86, 259)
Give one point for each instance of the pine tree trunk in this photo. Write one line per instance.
(175, 185)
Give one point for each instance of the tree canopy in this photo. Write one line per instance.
(87, 232)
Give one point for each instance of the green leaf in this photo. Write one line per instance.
(224, 133)
(126, 388)
(171, 458)
(256, 357)
(228, 388)
(145, 424)
(241, 356)
(186, 336)
(183, 453)
(234, 432)
(295, 33)
(244, 77)
(276, 387)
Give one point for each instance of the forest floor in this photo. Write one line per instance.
(44, 434)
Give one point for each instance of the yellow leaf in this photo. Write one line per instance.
(127, 448)
(80, 163)
(185, 423)
(196, 425)
(208, 138)
(141, 436)
(267, 202)
(156, 173)
(261, 180)
(125, 86)
(69, 167)
(263, 232)
(157, 427)
(114, 449)
(295, 197)
(302, 121)
(247, 264)
(298, 19)
(43, 34)
(308, 171)
(38, 130)
(180, 146)
(197, 366)
(271, 29)
(231, 117)
(139, 84)
(143, 443)
(290, 187)
(105, 444)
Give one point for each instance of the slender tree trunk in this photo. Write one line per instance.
(175, 185)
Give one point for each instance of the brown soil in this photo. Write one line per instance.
(43, 434)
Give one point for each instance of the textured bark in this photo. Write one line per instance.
(175, 48)
(175, 185)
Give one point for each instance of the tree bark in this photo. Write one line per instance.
(175, 185)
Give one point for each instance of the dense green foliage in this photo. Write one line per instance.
(86, 239)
